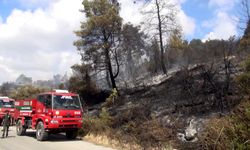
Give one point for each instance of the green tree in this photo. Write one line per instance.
(196, 51)
(245, 40)
(27, 91)
(80, 82)
(244, 19)
(132, 46)
(99, 36)
(176, 46)
(153, 51)
(6, 88)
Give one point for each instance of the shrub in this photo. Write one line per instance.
(246, 64)
(244, 82)
(27, 91)
(232, 132)
(86, 126)
(244, 79)
(110, 101)
(131, 128)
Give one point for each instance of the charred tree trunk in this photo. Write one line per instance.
(107, 58)
(160, 37)
(109, 67)
(108, 79)
(130, 65)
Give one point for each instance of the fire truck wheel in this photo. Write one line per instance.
(41, 134)
(20, 130)
(71, 135)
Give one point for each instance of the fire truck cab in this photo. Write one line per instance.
(51, 113)
(6, 104)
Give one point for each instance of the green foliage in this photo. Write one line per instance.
(86, 125)
(153, 65)
(232, 132)
(130, 127)
(96, 125)
(98, 33)
(110, 101)
(244, 79)
(244, 82)
(176, 41)
(6, 88)
(26, 92)
(80, 82)
(132, 45)
(245, 40)
(105, 117)
(246, 64)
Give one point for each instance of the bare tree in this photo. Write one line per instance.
(160, 20)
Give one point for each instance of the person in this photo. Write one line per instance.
(6, 123)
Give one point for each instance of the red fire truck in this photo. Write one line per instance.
(52, 112)
(6, 104)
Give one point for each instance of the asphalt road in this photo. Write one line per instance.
(55, 142)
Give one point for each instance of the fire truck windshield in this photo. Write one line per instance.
(66, 102)
(6, 104)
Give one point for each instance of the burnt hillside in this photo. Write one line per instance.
(181, 103)
(194, 91)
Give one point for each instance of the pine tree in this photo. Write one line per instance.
(99, 36)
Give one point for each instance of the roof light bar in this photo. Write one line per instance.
(61, 91)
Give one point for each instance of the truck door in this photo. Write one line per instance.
(44, 103)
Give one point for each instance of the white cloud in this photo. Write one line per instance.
(223, 27)
(187, 23)
(130, 11)
(39, 43)
(36, 3)
(222, 4)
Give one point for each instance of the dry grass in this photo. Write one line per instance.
(231, 132)
(107, 141)
(131, 130)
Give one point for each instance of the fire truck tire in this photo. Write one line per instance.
(71, 135)
(20, 130)
(41, 134)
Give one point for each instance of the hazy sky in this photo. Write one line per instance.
(36, 36)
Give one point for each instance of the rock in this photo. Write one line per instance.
(93, 112)
(191, 131)
(166, 121)
(181, 137)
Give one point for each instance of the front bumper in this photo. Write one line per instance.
(64, 123)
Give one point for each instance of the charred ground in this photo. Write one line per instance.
(175, 109)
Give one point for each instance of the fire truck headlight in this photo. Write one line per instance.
(46, 120)
(77, 113)
(54, 121)
(57, 112)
